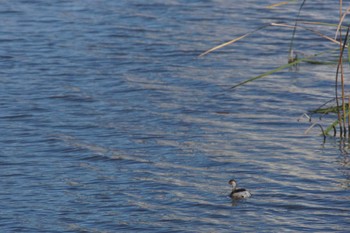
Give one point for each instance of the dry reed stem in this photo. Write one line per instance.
(278, 4)
(231, 41)
(260, 28)
(223, 45)
(341, 21)
(341, 114)
(341, 65)
(349, 116)
(318, 23)
(308, 29)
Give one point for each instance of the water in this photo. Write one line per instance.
(110, 123)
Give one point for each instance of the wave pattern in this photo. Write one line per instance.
(111, 123)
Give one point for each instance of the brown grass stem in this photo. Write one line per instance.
(279, 4)
(341, 120)
(231, 41)
(265, 26)
(308, 29)
(341, 21)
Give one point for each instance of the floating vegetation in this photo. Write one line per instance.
(339, 105)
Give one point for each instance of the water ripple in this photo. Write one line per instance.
(110, 122)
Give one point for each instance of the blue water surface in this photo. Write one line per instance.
(110, 122)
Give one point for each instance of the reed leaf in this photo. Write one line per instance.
(291, 64)
(315, 62)
(332, 126)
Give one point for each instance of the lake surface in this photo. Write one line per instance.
(111, 123)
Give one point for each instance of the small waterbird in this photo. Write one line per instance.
(238, 193)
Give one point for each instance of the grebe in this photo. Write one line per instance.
(238, 193)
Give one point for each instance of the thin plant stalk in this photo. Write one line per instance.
(341, 116)
(349, 117)
(339, 67)
(341, 21)
(294, 31)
